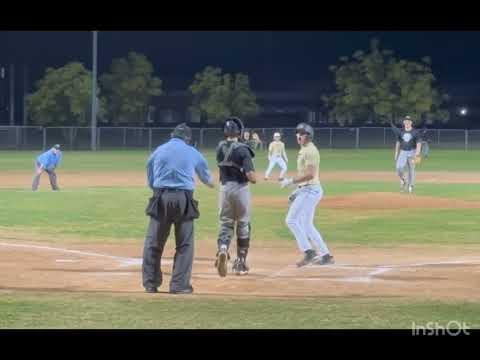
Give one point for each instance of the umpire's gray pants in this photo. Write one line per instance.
(234, 206)
(404, 164)
(157, 234)
(51, 175)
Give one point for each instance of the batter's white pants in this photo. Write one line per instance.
(301, 215)
(276, 160)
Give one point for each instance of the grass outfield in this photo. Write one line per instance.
(337, 159)
(116, 215)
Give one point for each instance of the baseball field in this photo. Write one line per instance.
(72, 259)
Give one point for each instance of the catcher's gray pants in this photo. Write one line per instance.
(404, 164)
(157, 234)
(234, 206)
(51, 175)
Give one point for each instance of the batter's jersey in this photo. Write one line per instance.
(309, 156)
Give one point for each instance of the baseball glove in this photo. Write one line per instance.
(416, 160)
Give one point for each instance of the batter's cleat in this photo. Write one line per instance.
(403, 184)
(410, 189)
(222, 261)
(240, 266)
(310, 257)
(266, 178)
(151, 290)
(324, 260)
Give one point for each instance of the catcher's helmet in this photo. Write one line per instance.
(304, 128)
(233, 127)
(182, 131)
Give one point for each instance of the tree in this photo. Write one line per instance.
(380, 87)
(129, 88)
(63, 97)
(220, 96)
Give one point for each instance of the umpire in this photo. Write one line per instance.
(235, 163)
(170, 172)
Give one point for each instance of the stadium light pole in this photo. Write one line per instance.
(94, 91)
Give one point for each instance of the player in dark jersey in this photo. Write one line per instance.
(408, 145)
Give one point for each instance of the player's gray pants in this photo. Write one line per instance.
(157, 234)
(51, 175)
(405, 165)
(234, 207)
(300, 218)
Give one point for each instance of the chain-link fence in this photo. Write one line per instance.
(111, 138)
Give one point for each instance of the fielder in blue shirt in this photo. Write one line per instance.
(170, 173)
(47, 162)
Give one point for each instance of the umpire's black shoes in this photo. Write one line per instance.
(151, 290)
(324, 260)
(188, 290)
(310, 256)
(222, 261)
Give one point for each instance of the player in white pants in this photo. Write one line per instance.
(305, 199)
(277, 156)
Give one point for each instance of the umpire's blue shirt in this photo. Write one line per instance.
(173, 165)
(49, 160)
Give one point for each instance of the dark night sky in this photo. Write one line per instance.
(274, 60)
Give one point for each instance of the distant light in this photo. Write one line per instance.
(463, 111)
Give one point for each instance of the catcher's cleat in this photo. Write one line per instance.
(240, 266)
(310, 257)
(222, 260)
(324, 260)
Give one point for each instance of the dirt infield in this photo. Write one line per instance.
(408, 272)
(136, 178)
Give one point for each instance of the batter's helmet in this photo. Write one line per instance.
(277, 135)
(304, 128)
(182, 131)
(233, 127)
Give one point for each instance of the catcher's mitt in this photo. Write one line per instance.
(416, 160)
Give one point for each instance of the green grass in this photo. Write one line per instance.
(83, 311)
(117, 214)
(337, 159)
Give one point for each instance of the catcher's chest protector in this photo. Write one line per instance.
(227, 150)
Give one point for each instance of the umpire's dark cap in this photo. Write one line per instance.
(182, 131)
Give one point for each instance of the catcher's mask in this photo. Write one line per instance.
(182, 131)
(233, 127)
(304, 128)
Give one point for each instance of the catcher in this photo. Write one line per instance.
(407, 153)
(235, 162)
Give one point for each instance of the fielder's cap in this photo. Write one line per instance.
(57, 146)
(407, 118)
